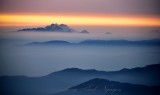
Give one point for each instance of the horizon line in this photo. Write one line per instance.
(84, 20)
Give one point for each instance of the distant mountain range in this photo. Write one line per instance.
(55, 42)
(155, 42)
(84, 31)
(50, 28)
(62, 80)
(99, 86)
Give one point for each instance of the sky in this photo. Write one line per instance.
(124, 19)
(80, 12)
(104, 19)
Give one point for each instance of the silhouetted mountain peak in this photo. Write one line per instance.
(96, 83)
(104, 84)
(84, 31)
(63, 25)
(77, 71)
(51, 28)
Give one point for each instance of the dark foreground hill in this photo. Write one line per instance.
(62, 80)
(105, 87)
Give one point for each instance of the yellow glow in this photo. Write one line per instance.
(36, 20)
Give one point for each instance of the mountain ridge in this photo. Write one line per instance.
(60, 80)
(148, 73)
(100, 86)
(154, 42)
(147, 66)
(50, 28)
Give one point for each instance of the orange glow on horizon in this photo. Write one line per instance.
(37, 20)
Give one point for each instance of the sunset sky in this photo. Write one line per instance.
(103, 19)
(124, 19)
(80, 12)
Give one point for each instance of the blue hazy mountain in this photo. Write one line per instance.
(121, 42)
(84, 31)
(141, 75)
(55, 42)
(99, 86)
(155, 42)
(64, 79)
(51, 28)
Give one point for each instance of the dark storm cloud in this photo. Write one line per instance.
(122, 7)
